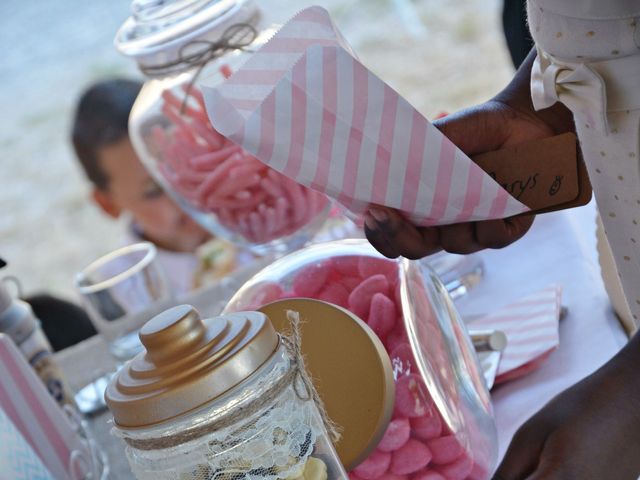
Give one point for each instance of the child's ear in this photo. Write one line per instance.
(106, 203)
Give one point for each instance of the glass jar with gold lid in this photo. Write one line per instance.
(222, 398)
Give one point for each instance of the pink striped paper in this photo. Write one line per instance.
(306, 107)
(37, 416)
(531, 327)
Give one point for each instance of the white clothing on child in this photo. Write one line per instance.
(179, 267)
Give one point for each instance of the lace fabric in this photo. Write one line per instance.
(273, 443)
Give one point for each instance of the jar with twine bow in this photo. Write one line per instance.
(178, 44)
(225, 398)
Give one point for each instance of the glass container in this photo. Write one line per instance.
(443, 421)
(177, 43)
(218, 399)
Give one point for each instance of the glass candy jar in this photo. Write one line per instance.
(218, 399)
(442, 426)
(219, 184)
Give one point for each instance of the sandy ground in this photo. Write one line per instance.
(454, 56)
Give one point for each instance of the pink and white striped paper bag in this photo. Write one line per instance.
(531, 328)
(306, 107)
(40, 420)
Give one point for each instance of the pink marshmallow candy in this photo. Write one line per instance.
(374, 466)
(458, 470)
(360, 298)
(368, 267)
(215, 175)
(310, 280)
(397, 434)
(445, 449)
(382, 315)
(335, 293)
(411, 457)
(410, 396)
(427, 426)
(427, 475)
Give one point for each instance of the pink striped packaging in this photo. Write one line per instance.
(531, 328)
(17, 458)
(305, 106)
(39, 419)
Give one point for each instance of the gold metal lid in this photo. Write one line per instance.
(350, 369)
(188, 362)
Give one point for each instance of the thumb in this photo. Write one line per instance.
(523, 454)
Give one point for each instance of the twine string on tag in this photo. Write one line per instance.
(296, 377)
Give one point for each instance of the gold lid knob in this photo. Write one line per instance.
(188, 362)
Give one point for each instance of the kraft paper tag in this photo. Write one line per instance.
(545, 175)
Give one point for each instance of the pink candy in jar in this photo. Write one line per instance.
(228, 191)
(216, 176)
(442, 426)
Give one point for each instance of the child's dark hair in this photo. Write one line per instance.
(101, 119)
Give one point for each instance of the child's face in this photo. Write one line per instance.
(132, 189)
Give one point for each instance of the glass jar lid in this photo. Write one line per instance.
(188, 362)
(158, 29)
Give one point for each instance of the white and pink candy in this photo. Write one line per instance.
(215, 175)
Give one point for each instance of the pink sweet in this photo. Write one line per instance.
(374, 466)
(393, 476)
(398, 336)
(360, 297)
(350, 283)
(410, 396)
(369, 266)
(402, 360)
(382, 315)
(310, 280)
(410, 458)
(428, 426)
(267, 293)
(397, 434)
(445, 449)
(346, 265)
(478, 472)
(427, 475)
(335, 293)
(458, 470)
(217, 176)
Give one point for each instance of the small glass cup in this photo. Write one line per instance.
(121, 291)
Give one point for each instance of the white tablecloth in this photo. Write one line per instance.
(560, 248)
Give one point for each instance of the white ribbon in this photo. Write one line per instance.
(578, 86)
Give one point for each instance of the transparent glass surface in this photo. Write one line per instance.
(121, 291)
(442, 407)
(220, 185)
(282, 439)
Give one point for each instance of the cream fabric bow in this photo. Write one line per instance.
(578, 86)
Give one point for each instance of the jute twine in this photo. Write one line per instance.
(297, 376)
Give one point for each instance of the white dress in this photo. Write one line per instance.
(589, 59)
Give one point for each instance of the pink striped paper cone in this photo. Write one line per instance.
(531, 327)
(40, 420)
(306, 107)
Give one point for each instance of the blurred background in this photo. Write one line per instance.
(440, 55)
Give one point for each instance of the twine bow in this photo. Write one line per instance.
(296, 377)
(199, 53)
